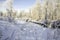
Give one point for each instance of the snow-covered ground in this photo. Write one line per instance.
(22, 30)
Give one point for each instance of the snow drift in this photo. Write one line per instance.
(27, 31)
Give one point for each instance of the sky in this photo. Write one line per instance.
(21, 4)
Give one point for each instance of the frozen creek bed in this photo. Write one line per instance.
(26, 31)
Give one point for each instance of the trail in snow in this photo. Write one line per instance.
(26, 31)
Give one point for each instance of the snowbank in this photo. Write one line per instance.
(27, 31)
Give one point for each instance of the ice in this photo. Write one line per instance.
(26, 31)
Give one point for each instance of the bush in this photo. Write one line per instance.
(55, 24)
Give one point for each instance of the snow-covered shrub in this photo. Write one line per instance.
(41, 23)
(55, 24)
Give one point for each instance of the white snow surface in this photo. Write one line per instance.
(20, 22)
(27, 31)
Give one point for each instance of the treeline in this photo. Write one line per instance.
(49, 10)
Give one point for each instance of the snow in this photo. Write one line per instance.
(20, 22)
(26, 31)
